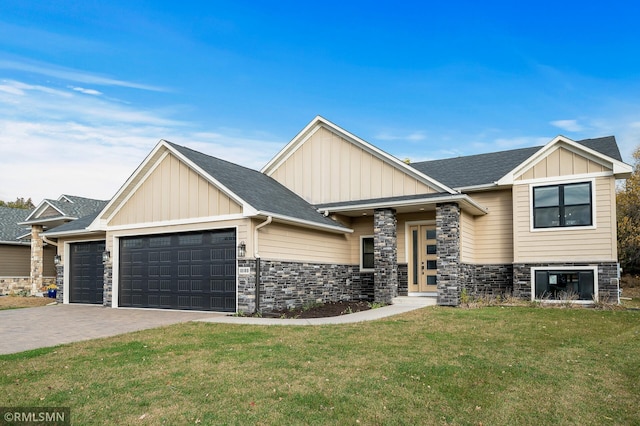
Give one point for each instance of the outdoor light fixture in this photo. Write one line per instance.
(105, 256)
(242, 249)
(57, 259)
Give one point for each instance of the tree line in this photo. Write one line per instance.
(19, 203)
(628, 210)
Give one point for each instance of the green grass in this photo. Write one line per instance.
(504, 366)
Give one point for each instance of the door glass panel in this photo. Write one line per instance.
(431, 249)
(431, 234)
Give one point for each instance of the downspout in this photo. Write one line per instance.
(257, 256)
(48, 241)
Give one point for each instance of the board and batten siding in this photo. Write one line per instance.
(571, 244)
(173, 191)
(561, 162)
(327, 168)
(278, 241)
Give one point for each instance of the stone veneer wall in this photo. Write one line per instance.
(607, 278)
(403, 279)
(14, 285)
(448, 248)
(286, 285)
(60, 283)
(487, 280)
(385, 255)
(107, 296)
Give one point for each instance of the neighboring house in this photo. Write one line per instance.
(332, 217)
(15, 253)
(50, 214)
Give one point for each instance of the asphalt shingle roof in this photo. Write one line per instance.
(79, 206)
(75, 225)
(259, 190)
(487, 168)
(9, 228)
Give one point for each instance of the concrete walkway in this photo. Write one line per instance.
(32, 328)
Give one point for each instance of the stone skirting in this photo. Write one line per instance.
(15, 285)
(487, 280)
(286, 285)
(607, 278)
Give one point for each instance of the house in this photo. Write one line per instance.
(15, 253)
(333, 217)
(50, 214)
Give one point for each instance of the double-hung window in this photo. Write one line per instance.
(565, 205)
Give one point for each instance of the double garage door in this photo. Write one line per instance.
(192, 271)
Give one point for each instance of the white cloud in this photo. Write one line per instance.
(86, 91)
(568, 125)
(56, 141)
(415, 136)
(69, 74)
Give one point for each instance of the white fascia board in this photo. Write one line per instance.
(45, 221)
(99, 218)
(319, 122)
(305, 223)
(456, 198)
(620, 169)
(15, 243)
(209, 178)
(41, 207)
(72, 233)
(176, 222)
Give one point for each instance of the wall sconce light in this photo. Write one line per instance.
(242, 249)
(106, 255)
(57, 259)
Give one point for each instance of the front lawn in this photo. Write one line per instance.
(15, 302)
(490, 366)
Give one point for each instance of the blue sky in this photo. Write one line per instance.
(87, 88)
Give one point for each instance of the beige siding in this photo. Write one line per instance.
(285, 242)
(492, 235)
(328, 168)
(561, 162)
(48, 212)
(172, 192)
(467, 238)
(15, 261)
(575, 244)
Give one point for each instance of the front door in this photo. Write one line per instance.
(423, 258)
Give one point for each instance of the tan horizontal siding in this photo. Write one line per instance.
(493, 236)
(571, 245)
(15, 261)
(328, 168)
(284, 242)
(467, 238)
(174, 191)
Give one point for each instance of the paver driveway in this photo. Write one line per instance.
(32, 328)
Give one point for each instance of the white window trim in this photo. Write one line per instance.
(363, 269)
(593, 225)
(560, 268)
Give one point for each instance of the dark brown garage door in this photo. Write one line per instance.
(192, 271)
(86, 276)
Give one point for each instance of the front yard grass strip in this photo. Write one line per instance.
(490, 366)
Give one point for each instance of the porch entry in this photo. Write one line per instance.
(423, 257)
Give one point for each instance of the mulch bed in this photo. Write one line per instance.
(329, 309)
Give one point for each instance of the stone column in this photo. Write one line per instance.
(107, 295)
(37, 255)
(385, 255)
(448, 248)
(60, 283)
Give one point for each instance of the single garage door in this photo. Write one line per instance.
(86, 275)
(192, 271)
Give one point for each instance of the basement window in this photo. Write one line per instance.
(564, 284)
